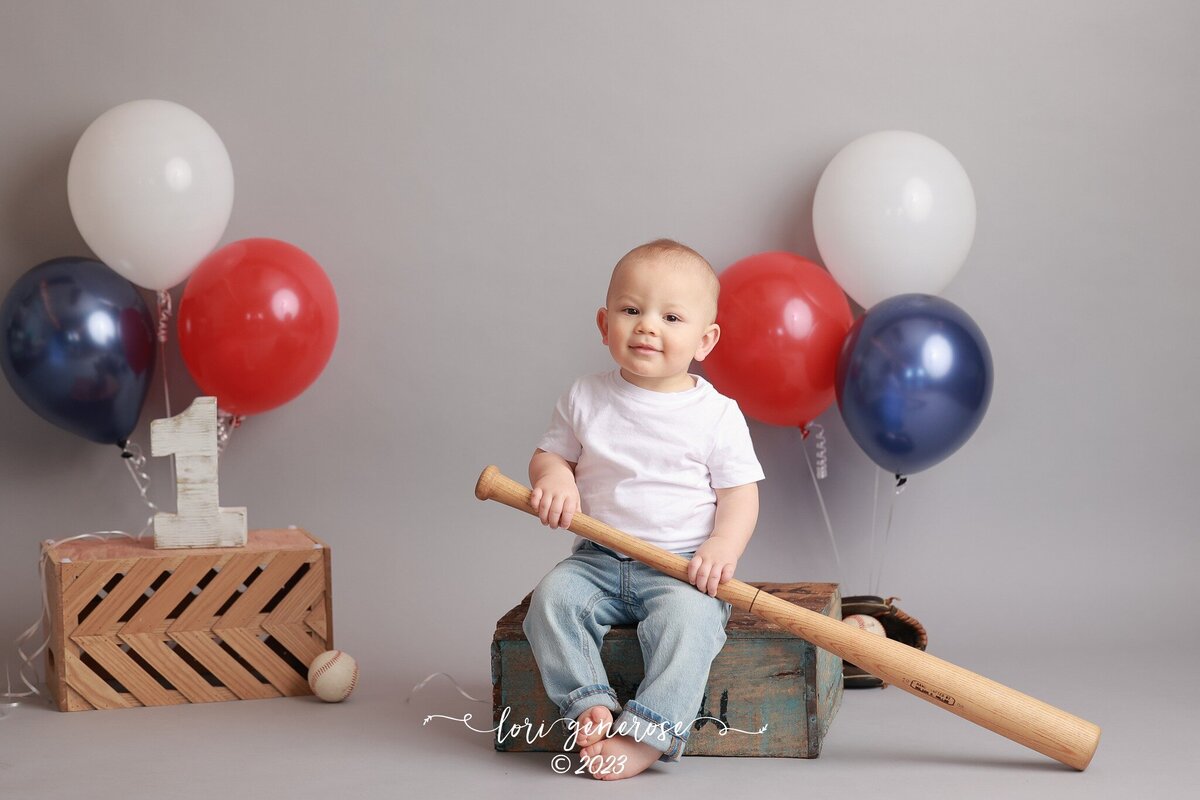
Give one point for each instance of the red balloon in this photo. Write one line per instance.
(783, 320)
(257, 324)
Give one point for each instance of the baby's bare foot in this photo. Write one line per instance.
(593, 725)
(618, 757)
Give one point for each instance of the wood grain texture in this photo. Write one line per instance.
(132, 625)
(764, 676)
(199, 521)
(1012, 714)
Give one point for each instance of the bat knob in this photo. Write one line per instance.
(483, 488)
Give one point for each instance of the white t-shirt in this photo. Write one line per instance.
(648, 462)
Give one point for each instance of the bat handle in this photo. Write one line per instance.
(495, 485)
(491, 479)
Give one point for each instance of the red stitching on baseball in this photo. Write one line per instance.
(321, 670)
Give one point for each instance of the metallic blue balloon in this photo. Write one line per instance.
(913, 381)
(78, 347)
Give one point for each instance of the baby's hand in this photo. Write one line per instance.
(555, 500)
(713, 564)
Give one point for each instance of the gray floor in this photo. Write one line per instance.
(882, 744)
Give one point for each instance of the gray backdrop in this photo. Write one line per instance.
(467, 173)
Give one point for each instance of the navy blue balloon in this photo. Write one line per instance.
(913, 381)
(78, 347)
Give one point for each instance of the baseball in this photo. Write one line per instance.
(333, 675)
(866, 623)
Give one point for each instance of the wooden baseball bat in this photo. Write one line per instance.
(1024, 719)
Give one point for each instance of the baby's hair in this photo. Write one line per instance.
(684, 255)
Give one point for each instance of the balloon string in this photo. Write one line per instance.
(135, 462)
(837, 559)
(227, 423)
(874, 532)
(822, 451)
(164, 329)
(164, 314)
(887, 532)
(447, 675)
(27, 672)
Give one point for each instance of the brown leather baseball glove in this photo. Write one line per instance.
(897, 624)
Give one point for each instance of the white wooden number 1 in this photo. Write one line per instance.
(200, 522)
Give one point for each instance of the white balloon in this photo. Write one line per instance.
(894, 213)
(151, 189)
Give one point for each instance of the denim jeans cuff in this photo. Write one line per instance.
(583, 698)
(650, 728)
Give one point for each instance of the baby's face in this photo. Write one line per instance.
(658, 319)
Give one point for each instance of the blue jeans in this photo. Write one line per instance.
(680, 628)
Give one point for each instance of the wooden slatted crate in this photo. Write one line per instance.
(134, 626)
(764, 676)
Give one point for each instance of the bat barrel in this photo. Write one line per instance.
(999, 708)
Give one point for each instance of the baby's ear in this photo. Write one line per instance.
(708, 341)
(602, 324)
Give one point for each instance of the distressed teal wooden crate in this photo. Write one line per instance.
(764, 676)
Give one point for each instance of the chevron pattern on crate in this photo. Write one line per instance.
(188, 627)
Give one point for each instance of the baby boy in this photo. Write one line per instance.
(657, 452)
